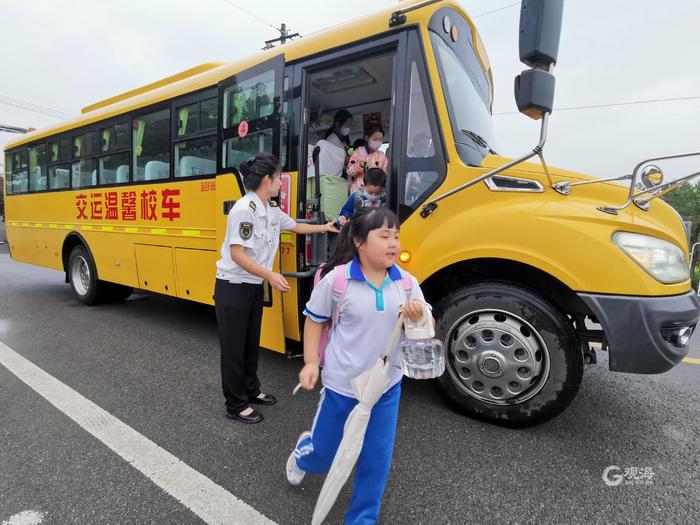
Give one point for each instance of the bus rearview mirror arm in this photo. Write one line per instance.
(537, 150)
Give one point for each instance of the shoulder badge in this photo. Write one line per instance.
(245, 230)
(273, 204)
(252, 206)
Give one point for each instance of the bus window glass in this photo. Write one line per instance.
(37, 168)
(88, 144)
(60, 151)
(195, 157)
(188, 120)
(238, 149)
(151, 136)
(84, 173)
(20, 172)
(470, 116)
(250, 99)
(208, 114)
(121, 135)
(59, 177)
(114, 169)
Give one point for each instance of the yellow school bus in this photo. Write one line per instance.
(531, 269)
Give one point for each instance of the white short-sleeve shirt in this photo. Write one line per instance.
(256, 226)
(368, 316)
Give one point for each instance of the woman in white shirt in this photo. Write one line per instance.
(247, 253)
(335, 144)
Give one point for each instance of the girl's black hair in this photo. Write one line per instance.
(338, 119)
(356, 230)
(256, 168)
(372, 128)
(369, 130)
(358, 143)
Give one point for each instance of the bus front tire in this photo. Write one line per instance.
(88, 289)
(511, 358)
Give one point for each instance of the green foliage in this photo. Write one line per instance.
(686, 200)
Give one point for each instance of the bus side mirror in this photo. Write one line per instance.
(534, 93)
(540, 29)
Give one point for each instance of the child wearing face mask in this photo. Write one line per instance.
(367, 156)
(371, 195)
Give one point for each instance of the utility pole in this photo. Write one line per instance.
(284, 36)
(15, 129)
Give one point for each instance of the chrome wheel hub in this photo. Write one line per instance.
(80, 275)
(497, 357)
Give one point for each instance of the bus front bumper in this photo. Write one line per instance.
(645, 335)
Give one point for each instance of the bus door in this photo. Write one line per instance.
(362, 80)
(250, 122)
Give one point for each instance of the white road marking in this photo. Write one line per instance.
(195, 491)
(27, 517)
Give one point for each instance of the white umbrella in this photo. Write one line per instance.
(368, 388)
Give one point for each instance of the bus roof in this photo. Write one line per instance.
(210, 73)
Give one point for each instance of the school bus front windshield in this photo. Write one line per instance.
(468, 98)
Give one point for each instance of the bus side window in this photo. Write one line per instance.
(151, 137)
(250, 101)
(37, 167)
(113, 165)
(421, 165)
(194, 154)
(20, 171)
(8, 173)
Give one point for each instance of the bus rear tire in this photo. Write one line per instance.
(82, 275)
(511, 358)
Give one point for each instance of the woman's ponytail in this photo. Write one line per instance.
(256, 168)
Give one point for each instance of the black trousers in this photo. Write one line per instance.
(239, 309)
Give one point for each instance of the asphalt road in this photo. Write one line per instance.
(152, 362)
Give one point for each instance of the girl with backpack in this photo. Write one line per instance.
(363, 313)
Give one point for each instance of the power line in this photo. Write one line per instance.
(649, 101)
(29, 106)
(251, 14)
(496, 10)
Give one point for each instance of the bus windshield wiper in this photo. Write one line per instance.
(480, 141)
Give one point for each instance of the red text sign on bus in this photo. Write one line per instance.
(114, 205)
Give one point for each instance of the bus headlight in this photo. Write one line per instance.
(660, 259)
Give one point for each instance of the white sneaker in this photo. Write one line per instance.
(294, 474)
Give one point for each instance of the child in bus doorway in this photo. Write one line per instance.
(371, 195)
(367, 156)
(377, 291)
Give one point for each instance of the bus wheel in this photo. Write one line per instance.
(511, 358)
(82, 275)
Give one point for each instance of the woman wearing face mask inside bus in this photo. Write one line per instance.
(252, 237)
(334, 146)
(367, 156)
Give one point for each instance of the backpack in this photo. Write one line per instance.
(338, 289)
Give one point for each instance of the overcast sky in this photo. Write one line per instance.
(65, 54)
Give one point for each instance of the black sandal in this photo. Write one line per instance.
(267, 399)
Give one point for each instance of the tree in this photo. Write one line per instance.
(686, 201)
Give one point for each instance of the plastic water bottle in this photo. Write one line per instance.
(421, 354)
